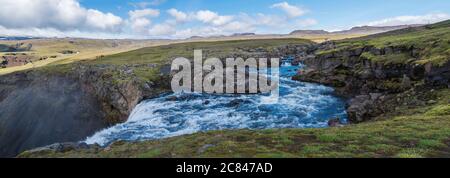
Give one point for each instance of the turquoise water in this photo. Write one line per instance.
(301, 105)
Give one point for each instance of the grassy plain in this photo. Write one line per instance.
(89, 49)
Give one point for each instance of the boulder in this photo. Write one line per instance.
(406, 82)
(235, 103)
(336, 122)
(359, 109)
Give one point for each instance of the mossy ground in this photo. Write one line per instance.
(409, 133)
(165, 53)
(160, 56)
(433, 42)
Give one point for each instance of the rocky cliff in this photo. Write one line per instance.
(40, 107)
(373, 72)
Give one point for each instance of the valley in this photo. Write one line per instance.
(395, 84)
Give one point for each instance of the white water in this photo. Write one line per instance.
(301, 105)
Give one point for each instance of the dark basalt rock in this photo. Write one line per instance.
(356, 77)
(235, 103)
(64, 147)
(336, 122)
(39, 108)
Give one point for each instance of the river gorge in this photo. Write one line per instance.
(98, 108)
(301, 105)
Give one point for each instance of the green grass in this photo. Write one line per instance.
(165, 53)
(138, 60)
(412, 133)
(432, 42)
(401, 58)
(440, 110)
(48, 52)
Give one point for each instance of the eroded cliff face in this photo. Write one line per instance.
(39, 108)
(117, 88)
(373, 77)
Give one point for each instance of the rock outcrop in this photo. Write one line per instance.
(370, 76)
(39, 108)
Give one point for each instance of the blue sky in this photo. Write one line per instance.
(184, 18)
(329, 12)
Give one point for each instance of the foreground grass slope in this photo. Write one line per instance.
(408, 133)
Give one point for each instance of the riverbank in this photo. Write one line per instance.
(113, 85)
(409, 133)
(376, 71)
(299, 105)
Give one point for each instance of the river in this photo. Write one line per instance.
(301, 105)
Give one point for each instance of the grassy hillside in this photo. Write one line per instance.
(91, 49)
(433, 42)
(158, 56)
(64, 51)
(165, 53)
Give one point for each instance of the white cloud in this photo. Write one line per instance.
(63, 15)
(237, 26)
(213, 24)
(145, 4)
(267, 20)
(51, 32)
(291, 10)
(156, 2)
(135, 14)
(213, 18)
(140, 19)
(140, 25)
(160, 30)
(239, 23)
(307, 22)
(178, 15)
(108, 21)
(408, 20)
(62, 18)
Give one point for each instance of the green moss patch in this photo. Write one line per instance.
(431, 43)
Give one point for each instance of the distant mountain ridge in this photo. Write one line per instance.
(16, 38)
(355, 30)
(243, 34)
(366, 30)
(309, 32)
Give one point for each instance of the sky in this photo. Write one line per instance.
(177, 19)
